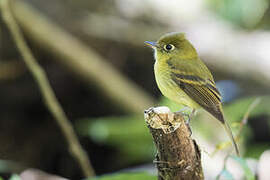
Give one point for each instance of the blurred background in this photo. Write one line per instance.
(102, 74)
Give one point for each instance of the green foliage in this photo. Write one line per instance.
(236, 110)
(15, 177)
(132, 139)
(255, 150)
(206, 126)
(127, 133)
(126, 176)
(245, 13)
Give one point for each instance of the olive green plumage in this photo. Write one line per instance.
(184, 78)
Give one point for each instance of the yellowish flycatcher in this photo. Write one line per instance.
(183, 77)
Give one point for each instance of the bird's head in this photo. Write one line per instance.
(172, 45)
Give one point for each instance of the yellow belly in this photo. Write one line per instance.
(171, 90)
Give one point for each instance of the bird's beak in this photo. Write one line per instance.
(151, 44)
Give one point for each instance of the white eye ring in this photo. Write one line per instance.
(169, 47)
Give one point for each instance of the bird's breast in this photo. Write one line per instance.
(169, 88)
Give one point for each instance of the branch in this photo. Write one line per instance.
(178, 156)
(81, 59)
(46, 91)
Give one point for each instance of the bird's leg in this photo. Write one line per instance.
(182, 111)
(187, 112)
(190, 116)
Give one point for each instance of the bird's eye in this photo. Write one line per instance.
(168, 47)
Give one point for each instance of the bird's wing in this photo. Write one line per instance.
(196, 81)
(201, 89)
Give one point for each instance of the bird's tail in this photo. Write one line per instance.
(229, 132)
(228, 129)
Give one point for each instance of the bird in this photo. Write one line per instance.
(184, 78)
